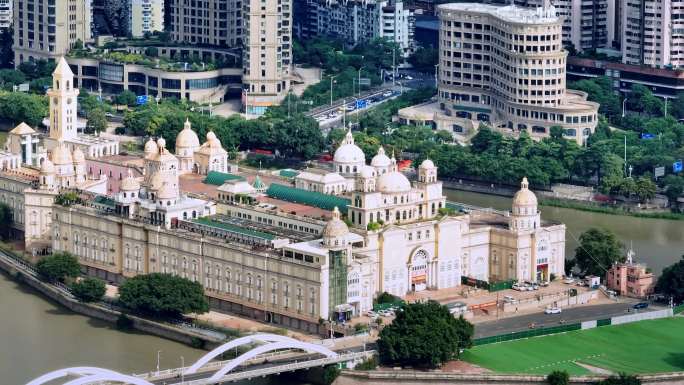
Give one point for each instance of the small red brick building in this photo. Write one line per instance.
(630, 279)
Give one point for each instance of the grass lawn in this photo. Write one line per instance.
(640, 347)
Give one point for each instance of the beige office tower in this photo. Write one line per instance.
(48, 29)
(653, 32)
(505, 66)
(267, 53)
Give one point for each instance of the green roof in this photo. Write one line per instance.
(258, 184)
(472, 109)
(310, 198)
(103, 200)
(234, 228)
(218, 178)
(288, 173)
(454, 206)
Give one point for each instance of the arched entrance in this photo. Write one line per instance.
(418, 271)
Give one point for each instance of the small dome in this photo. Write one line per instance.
(161, 142)
(524, 196)
(78, 155)
(381, 159)
(61, 155)
(393, 182)
(47, 167)
(367, 172)
(130, 183)
(151, 148)
(210, 136)
(166, 191)
(335, 228)
(187, 137)
(427, 163)
(348, 152)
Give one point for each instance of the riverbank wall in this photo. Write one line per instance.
(411, 377)
(100, 312)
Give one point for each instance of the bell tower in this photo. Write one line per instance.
(63, 101)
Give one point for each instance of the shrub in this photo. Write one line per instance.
(89, 289)
(558, 377)
(58, 267)
(369, 364)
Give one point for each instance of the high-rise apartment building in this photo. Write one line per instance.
(267, 53)
(48, 29)
(147, 16)
(653, 32)
(506, 66)
(587, 24)
(356, 21)
(5, 14)
(207, 22)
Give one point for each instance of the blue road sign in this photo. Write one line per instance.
(677, 166)
(140, 100)
(361, 103)
(647, 136)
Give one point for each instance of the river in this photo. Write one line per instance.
(657, 242)
(37, 336)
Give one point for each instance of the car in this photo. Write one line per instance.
(544, 284)
(390, 312)
(534, 286)
(518, 287)
(371, 314)
(568, 281)
(509, 299)
(552, 310)
(109, 115)
(640, 305)
(387, 94)
(409, 77)
(350, 107)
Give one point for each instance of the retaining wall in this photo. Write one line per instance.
(410, 377)
(105, 314)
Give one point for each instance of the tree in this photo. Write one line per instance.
(424, 59)
(163, 295)
(597, 251)
(58, 267)
(89, 289)
(621, 379)
(424, 334)
(6, 220)
(126, 97)
(671, 281)
(20, 107)
(97, 120)
(558, 377)
(6, 52)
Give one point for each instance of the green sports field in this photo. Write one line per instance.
(640, 347)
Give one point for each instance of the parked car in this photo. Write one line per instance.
(544, 283)
(552, 310)
(387, 94)
(350, 107)
(518, 287)
(569, 281)
(640, 305)
(371, 314)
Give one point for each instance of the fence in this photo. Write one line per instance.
(623, 319)
(527, 334)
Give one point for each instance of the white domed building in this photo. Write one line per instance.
(348, 158)
(211, 156)
(187, 142)
(381, 162)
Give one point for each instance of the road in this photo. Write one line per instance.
(571, 315)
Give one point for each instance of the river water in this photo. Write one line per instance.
(37, 336)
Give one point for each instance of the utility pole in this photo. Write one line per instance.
(625, 155)
(394, 66)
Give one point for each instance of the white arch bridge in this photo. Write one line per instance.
(207, 372)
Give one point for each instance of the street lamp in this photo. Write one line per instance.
(158, 353)
(436, 75)
(182, 370)
(359, 83)
(624, 104)
(331, 88)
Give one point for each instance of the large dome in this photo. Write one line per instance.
(427, 163)
(335, 228)
(130, 183)
(381, 159)
(187, 137)
(151, 148)
(78, 155)
(61, 155)
(393, 182)
(47, 167)
(348, 152)
(524, 196)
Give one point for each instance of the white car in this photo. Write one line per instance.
(371, 314)
(518, 287)
(552, 310)
(509, 299)
(568, 281)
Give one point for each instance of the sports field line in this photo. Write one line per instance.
(571, 361)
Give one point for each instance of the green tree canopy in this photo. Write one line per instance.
(6, 220)
(621, 379)
(97, 120)
(163, 295)
(20, 107)
(126, 97)
(671, 281)
(89, 289)
(424, 334)
(558, 377)
(597, 251)
(58, 267)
